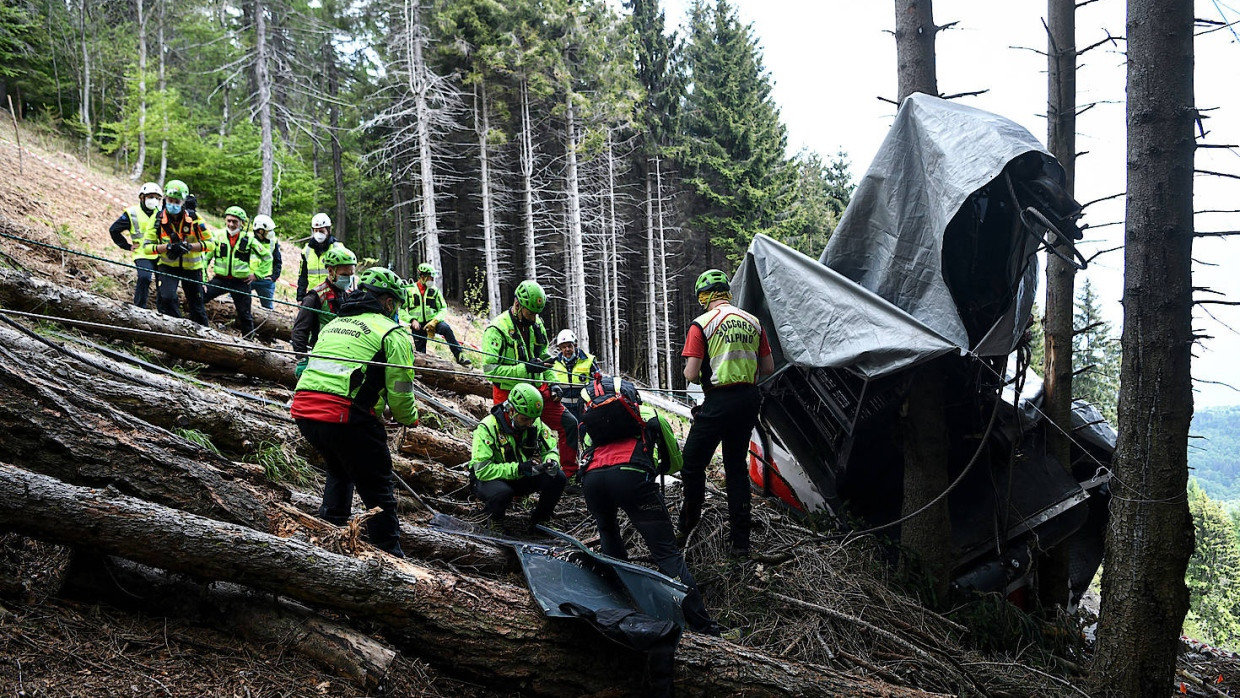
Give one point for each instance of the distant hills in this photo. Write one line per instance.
(1214, 459)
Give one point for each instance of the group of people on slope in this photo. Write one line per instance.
(359, 362)
(515, 449)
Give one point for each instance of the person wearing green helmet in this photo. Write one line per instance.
(725, 352)
(233, 272)
(340, 398)
(138, 222)
(322, 303)
(515, 350)
(182, 243)
(426, 309)
(514, 454)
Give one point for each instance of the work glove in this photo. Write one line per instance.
(529, 469)
(301, 366)
(557, 393)
(429, 328)
(177, 249)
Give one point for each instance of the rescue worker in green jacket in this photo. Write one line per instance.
(426, 310)
(183, 244)
(340, 399)
(265, 261)
(139, 221)
(514, 454)
(621, 476)
(313, 272)
(515, 346)
(572, 369)
(233, 274)
(725, 352)
(322, 303)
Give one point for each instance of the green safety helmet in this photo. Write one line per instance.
(381, 280)
(425, 269)
(712, 280)
(238, 212)
(338, 255)
(525, 399)
(176, 189)
(531, 296)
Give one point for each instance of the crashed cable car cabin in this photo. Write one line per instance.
(933, 268)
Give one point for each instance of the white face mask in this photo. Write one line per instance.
(152, 203)
(319, 237)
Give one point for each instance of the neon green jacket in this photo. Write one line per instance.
(666, 452)
(261, 257)
(508, 349)
(499, 449)
(424, 305)
(363, 333)
(141, 226)
(233, 261)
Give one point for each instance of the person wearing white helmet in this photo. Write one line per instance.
(572, 369)
(313, 272)
(137, 221)
(267, 263)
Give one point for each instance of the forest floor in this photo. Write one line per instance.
(52, 644)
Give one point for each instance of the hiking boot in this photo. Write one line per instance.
(464, 361)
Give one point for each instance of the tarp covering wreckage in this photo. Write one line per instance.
(933, 267)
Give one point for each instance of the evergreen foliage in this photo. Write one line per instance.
(1095, 355)
(1214, 452)
(700, 108)
(1213, 575)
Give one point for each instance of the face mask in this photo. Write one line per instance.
(343, 282)
(152, 203)
(319, 237)
(174, 209)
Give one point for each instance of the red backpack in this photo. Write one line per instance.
(610, 410)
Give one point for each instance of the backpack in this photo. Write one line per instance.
(610, 410)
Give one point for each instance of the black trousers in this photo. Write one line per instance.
(728, 417)
(146, 274)
(239, 291)
(191, 282)
(497, 495)
(357, 457)
(442, 329)
(614, 488)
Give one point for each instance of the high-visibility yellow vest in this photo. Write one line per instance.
(140, 225)
(732, 340)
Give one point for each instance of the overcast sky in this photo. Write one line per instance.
(832, 60)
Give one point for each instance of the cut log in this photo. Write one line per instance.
(178, 337)
(54, 428)
(445, 375)
(430, 478)
(434, 445)
(185, 340)
(484, 629)
(234, 610)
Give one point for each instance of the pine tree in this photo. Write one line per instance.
(1213, 575)
(734, 160)
(1096, 355)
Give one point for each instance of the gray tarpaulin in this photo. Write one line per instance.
(816, 318)
(890, 239)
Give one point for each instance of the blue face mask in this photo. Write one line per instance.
(396, 316)
(343, 282)
(174, 209)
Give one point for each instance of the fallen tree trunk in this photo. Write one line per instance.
(485, 629)
(434, 445)
(445, 375)
(50, 427)
(233, 609)
(176, 336)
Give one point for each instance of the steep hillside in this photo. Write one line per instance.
(1215, 455)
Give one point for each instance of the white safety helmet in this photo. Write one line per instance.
(150, 188)
(320, 220)
(565, 337)
(264, 222)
